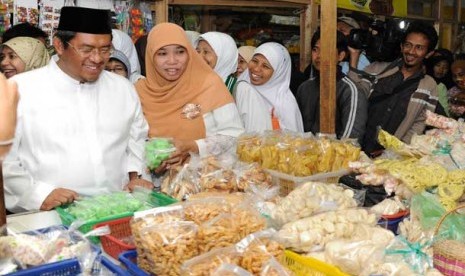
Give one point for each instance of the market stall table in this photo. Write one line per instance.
(32, 220)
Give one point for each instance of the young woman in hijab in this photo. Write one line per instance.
(22, 54)
(220, 52)
(245, 55)
(438, 67)
(182, 97)
(122, 42)
(118, 64)
(263, 96)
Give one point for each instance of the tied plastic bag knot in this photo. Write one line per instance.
(442, 147)
(412, 253)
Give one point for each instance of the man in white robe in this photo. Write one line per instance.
(81, 130)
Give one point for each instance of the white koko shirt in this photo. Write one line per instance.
(82, 136)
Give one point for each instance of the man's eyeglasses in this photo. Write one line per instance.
(87, 51)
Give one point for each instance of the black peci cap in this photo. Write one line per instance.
(85, 20)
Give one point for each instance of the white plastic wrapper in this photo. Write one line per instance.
(355, 256)
(313, 233)
(231, 270)
(311, 198)
(48, 245)
(458, 154)
(274, 268)
(389, 206)
(219, 144)
(210, 262)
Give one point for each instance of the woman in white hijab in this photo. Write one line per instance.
(219, 50)
(123, 42)
(263, 97)
(193, 37)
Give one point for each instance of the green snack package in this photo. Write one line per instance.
(157, 150)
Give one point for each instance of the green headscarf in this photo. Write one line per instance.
(30, 50)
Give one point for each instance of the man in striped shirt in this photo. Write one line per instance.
(399, 92)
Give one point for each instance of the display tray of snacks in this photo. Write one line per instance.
(97, 210)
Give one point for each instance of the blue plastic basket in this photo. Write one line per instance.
(391, 224)
(61, 268)
(129, 259)
(113, 268)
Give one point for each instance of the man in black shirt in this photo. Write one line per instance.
(351, 106)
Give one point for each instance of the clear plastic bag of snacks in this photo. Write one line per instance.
(258, 248)
(221, 231)
(208, 263)
(169, 245)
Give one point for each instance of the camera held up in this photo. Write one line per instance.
(381, 42)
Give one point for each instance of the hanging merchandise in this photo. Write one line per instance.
(136, 28)
(147, 15)
(26, 11)
(122, 15)
(50, 16)
(5, 15)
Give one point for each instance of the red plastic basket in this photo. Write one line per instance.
(113, 244)
(398, 215)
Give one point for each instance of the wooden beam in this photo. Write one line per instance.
(303, 2)
(206, 21)
(328, 65)
(308, 25)
(161, 11)
(238, 3)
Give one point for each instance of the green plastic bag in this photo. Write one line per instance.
(429, 210)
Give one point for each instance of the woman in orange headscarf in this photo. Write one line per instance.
(182, 97)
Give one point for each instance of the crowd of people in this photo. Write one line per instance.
(89, 102)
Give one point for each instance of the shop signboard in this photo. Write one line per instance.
(396, 8)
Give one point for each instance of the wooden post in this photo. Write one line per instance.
(328, 65)
(161, 11)
(307, 27)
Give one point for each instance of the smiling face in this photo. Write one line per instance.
(415, 49)
(260, 70)
(10, 63)
(85, 56)
(207, 53)
(171, 61)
